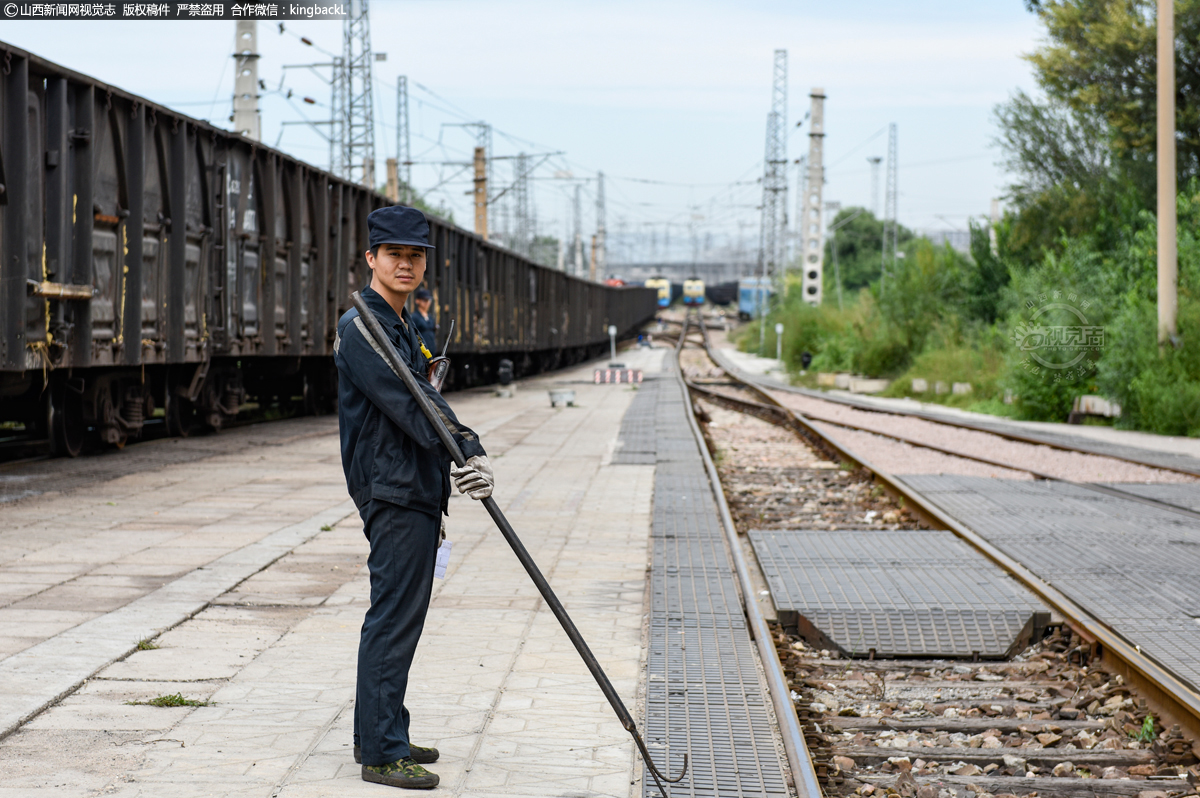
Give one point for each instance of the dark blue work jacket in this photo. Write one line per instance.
(390, 451)
(426, 328)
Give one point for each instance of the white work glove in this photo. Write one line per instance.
(475, 478)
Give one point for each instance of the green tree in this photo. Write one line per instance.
(1100, 59)
(858, 237)
(986, 277)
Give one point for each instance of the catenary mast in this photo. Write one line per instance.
(357, 162)
(810, 226)
(774, 207)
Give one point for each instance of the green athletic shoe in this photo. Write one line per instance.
(422, 756)
(403, 773)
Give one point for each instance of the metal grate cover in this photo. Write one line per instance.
(704, 695)
(1133, 566)
(895, 593)
(1186, 496)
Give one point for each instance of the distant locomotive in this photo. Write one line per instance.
(693, 292)
(663, 286)
(158, 270)
(753, 295)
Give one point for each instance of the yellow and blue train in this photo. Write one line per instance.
(693, 292)
(663, 286)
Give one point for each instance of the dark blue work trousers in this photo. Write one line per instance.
(403, 551)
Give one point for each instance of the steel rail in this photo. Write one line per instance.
(1175, 695)
(950, 422)
(1092, 486)
(804, 775)
(397, 364)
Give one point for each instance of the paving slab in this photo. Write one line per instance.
(496, 685)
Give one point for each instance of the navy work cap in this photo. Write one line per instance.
(397, 224)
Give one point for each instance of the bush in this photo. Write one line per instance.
(1158, 391)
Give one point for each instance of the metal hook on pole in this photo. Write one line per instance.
(410, 382)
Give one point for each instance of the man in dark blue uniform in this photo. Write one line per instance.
(426, 326)
(397, 474)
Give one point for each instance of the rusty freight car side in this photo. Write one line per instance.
(157, 269)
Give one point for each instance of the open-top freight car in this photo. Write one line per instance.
(155, 266)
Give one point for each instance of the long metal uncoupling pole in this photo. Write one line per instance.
(401, 368)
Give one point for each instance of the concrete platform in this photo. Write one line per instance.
(246, 568)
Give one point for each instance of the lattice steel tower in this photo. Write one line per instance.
(523, 234)
(811, 227)
(774, 209)
(403, 142)
(357, 124)
(601, 232)
(888, 253)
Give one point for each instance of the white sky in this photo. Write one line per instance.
(650, 90)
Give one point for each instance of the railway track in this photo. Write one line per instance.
(1080, 712)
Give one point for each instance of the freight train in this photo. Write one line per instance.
(158, 268)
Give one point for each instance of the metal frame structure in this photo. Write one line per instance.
(403, 141)
(774, 207)
(358, 108)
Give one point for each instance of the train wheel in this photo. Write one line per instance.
(67, 427)
(180, 415)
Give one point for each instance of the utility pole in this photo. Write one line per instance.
(874, 160)
(774, 208)
(601, 252)
(993, 242)
(403, 142)
(811, 227)
(481, 194)
(577, 265)
(1168, 264)
(246, 118)
(358, 125)
(890, 233)
(393, 180)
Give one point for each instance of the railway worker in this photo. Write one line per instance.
(396, 472)
(426, 326)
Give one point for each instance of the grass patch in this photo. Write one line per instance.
(948, 362)
(176, 700)
(1146, 733)
(326, 528)
(146, 645)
